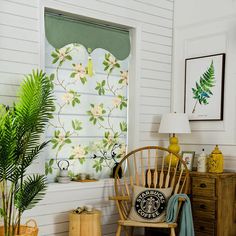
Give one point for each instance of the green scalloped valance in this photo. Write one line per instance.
(61, 31)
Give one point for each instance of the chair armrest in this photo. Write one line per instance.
(120, 198)
(181, 199)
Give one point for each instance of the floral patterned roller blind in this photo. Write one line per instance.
(89, 127)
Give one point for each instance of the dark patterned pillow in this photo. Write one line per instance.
(149, 204)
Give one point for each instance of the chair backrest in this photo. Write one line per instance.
(147, 167)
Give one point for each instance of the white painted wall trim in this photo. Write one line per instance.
(134, 91)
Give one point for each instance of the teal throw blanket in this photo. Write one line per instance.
(186, 219)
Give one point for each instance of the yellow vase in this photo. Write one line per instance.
(171, 158)
(216, 161)
(174, 147)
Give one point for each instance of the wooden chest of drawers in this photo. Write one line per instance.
(213, 198)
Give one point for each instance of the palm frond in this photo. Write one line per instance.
(8, 145)
(31, 192)
(20, 137)
(35, 106)
(25, 162)
(202, 92)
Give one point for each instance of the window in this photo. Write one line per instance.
(89, 65)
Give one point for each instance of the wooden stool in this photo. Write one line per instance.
(85, 224)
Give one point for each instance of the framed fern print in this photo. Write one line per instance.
(204, 87)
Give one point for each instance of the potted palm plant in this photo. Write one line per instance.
(21, 128)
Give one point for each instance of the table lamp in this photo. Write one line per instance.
(174, 123)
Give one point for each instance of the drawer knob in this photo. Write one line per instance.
(202, 185)
(202, 206)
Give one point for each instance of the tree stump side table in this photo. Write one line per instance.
(85, 224)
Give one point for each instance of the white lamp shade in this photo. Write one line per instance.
(176, 123)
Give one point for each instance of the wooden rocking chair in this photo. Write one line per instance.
(147, 167)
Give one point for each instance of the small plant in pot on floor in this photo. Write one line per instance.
(21, 128)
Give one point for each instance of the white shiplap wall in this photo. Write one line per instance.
(52, 213)
(21, 49)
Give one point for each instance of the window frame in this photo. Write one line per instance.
(134, 72)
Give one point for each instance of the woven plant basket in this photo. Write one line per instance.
(29, 229)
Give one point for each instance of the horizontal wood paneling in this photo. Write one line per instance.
(19, 22)
(19, 9)
(19, 56)
(141, 7)
(155, 38)
(19, 53)
(19, 67)
(154, 110)
(52, 213)
(157, 57)
(155, 83)
(160, 3)
(19, 44)
(8, 90)
(31, 3)
(120, 11)
(154, 29)
(155, 47)
(156, 66)
(153, 92)
(155, 101)
(16, 33)
(152, 74)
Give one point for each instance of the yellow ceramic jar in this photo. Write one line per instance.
(216, 161)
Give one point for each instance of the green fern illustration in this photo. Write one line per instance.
(202, 91)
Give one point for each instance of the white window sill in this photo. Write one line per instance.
(102, 183)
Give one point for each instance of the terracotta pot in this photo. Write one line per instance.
(29, 229)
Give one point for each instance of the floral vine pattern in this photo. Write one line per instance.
(112, 146)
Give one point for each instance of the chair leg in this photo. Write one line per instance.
(118, 230)
(172, 231)
(131, 231)
(128, 231)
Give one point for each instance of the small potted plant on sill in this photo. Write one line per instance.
(21, 128)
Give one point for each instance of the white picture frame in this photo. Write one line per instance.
(188, 157)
